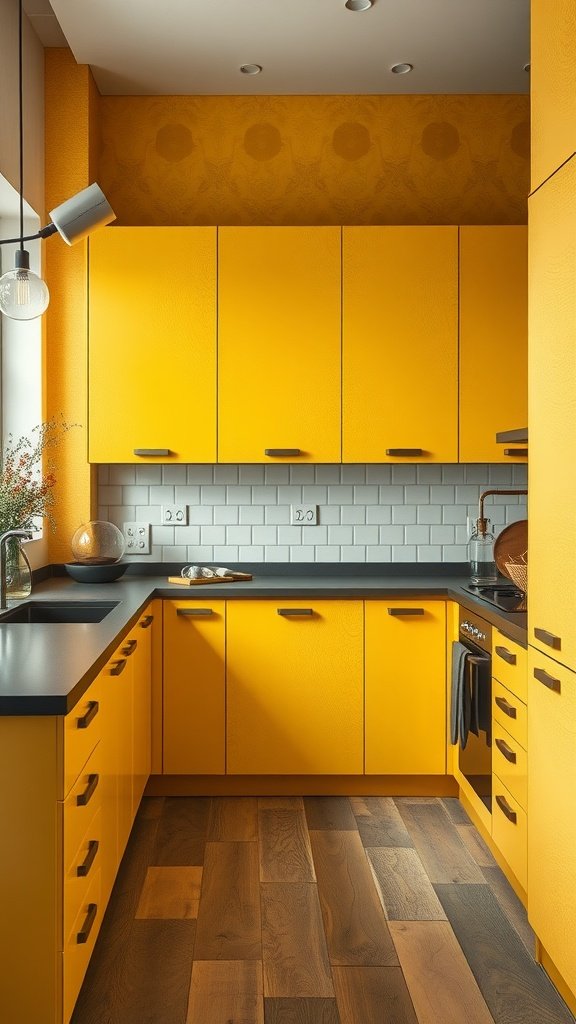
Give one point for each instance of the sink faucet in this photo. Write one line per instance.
(25, 535)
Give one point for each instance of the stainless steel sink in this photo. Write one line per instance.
(58, 611)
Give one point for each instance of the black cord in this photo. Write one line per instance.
(21, 123)
(50, 229)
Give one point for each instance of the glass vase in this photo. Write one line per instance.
(18, 571)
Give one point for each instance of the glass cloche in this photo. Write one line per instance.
(98, 543)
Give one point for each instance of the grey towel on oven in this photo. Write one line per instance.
(459, 656)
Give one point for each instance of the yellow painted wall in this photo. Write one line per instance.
(315, 159)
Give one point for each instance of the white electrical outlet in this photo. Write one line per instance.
(305, 515)
(137, 538)
(175, 515)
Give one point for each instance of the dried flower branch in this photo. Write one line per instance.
(27, 478)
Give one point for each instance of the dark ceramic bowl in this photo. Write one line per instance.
(95, 573)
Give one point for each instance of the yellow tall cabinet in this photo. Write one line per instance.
(279, 368)
(493, 372)
(400, 344)
(552, 397)
(152, 345)
(405, 687)
(295, 687)
(553, 85)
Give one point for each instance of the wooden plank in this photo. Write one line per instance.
(439, 846)
(148, 979)
(511, 905)
(441, 984)
(301, 1011)
(285, 854)
(233, 819)
(404, 887)
(151, 807)
(284, 803)
(476, 846)
(354, 922)
(372, 995)
(226, 990)
(379, 821)
(295, 957)
(170, 893)
(513, 985)
(182, 831)
(456, 810)
(329, 812)
(229, 913)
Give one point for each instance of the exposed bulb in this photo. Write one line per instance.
(23, 295)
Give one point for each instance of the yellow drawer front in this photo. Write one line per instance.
(82, 730)
(509, 829)
(81, 870)
(510, 713)
(79, 943)
(79, 807)
(510, 764)
(510, 664)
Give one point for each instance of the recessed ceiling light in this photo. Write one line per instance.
(250, 69)
(358, 5)
(401, 69)
(527, 68)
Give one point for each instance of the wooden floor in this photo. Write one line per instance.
(316, 910)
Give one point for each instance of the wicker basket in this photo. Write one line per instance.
(518, 572)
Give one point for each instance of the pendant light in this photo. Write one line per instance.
(24, 295)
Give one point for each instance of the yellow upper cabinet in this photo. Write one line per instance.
(553, 85)
(552, 403)
(279, 344)
(400, 344)
(493, 340)
(152, 345)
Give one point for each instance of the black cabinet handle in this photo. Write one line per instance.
(548, 638)
(516, 452)
(405, 611)
(404, 452)
(282, 452)
(146, 621)
(93, 708)
(118, 667)
(83, 869)
(295, 611)
(129, 648)
(84, 798)
(506, 809)
(84, 933)
(156, 452)
(549, 681)
(506, 751)
(504, 706)
(194, 611)
(506, 655)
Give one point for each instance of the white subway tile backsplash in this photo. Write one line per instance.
(376, 513)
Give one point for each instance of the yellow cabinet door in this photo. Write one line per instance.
(400, 344)
(493, 340)
(295, 687)
(552, 425)
(194, 687)
(115, 747)
(142, 713)
(279, 366)
(552, 810)
(152, 345)
(552, 86)
(405, 688)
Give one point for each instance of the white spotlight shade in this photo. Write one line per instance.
(78, 216)
(23, 295)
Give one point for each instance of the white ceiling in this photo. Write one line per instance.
(183, 47)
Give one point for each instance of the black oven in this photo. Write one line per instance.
(471, 711)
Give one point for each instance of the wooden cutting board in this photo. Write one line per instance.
(185, 581)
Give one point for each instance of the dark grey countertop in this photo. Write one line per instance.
(45, 668)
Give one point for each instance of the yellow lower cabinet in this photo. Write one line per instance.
(405, 687)
(82, 731)
(295, 687)
(510, 664)
(510, 763)
(510, 713)
(142, 714)
(79, 943)
(552, 810)
(78, 873)
(509, 829)
(194, 687)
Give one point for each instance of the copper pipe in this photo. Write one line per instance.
(482, 523)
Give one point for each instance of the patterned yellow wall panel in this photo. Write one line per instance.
(316, 159)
